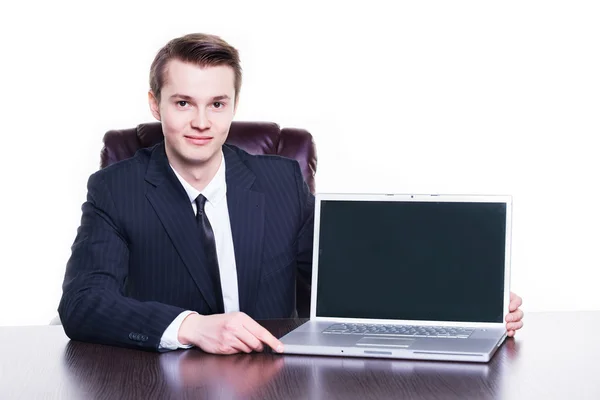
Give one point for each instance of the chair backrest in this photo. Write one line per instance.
(253, 137)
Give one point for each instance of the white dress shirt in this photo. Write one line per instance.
(218, 215)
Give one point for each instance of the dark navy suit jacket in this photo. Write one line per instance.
(137, 261)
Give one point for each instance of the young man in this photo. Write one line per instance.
(188, 242)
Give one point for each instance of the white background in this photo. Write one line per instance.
(416, 97)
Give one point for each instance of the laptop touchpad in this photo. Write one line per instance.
(384, 342)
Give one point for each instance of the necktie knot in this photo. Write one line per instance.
(200, 203)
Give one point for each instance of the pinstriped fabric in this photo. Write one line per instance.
(137, 262)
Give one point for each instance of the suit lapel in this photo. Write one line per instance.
(172, 205)
(247, 218)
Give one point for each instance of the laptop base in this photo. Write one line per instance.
(310, 339)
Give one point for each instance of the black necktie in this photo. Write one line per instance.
(210, 249)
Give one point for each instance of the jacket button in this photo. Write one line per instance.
(132, 336)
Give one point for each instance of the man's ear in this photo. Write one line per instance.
(154, 107)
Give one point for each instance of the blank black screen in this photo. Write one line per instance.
(412, 260)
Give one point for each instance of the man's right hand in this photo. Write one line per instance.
(226, 334)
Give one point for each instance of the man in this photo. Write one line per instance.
(188, 242)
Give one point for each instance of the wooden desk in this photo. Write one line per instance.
(554, 357)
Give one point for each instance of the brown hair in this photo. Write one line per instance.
(197, 48)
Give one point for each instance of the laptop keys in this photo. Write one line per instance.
(399, 330)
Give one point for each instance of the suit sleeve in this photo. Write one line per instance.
(93, 307)
(305, 234)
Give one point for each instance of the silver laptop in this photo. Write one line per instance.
(408, 276)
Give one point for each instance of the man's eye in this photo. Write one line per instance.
(218, 104)
(182, 103)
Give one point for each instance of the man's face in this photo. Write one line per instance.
(196, 108)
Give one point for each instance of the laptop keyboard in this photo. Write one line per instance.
(399, 330)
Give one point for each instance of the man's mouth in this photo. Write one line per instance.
(199, 140)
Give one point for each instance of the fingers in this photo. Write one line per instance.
(249, 340)
(510, 333)
(514, 326)
(240, 346)
(263, 335)
(230, 344)
(238, 337)
(515, 316)
(515, 302)
(224, 349)
(233, 333)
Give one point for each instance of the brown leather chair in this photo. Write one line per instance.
(253, 137)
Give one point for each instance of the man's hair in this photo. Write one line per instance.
(196, 48)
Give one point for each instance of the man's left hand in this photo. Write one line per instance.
(514, 319)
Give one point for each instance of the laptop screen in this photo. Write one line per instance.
(429, 261)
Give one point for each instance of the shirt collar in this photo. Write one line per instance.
(215, 190)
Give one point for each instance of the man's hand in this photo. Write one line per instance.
(514, 317)
(226, 333)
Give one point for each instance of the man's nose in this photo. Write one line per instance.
(201, 120)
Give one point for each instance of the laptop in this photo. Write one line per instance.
(408, 276)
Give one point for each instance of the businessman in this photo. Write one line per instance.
(188, 242)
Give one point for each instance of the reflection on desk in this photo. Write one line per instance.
(237, 375)
(194, 373)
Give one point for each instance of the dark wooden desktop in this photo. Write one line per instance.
(555, 356)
